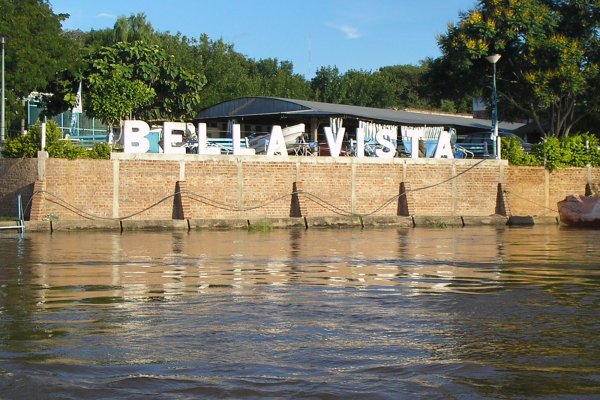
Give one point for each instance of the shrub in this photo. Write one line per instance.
(512, 150)
(100, 150)
(553, 152)
(66, 149)
(28, 145)
(262, 225)
(573, 151)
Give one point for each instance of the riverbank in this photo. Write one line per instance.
(195, 191)
(283, 223)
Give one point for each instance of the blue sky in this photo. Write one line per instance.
(348, 34)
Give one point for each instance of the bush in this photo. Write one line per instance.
(28, 145)
(572, 151)
(553, 152)
(100, 150)
(512, 150)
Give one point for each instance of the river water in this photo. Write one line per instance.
(457, 313)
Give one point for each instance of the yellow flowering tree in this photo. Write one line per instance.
(549, 70)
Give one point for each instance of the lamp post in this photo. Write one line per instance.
(493, 59)
(2, 122)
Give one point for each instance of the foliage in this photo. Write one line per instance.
(71, 151)
(407, 86)
(277, 78)
(397, 87)
(115, 97)
(29, 144)
(134, 51)
(133, 28)
(263, 225)
(36, 50)
(550, 62)
(100, 150)
(327, 85)
(512, 150)
(166, 91)
(574, 151)
(66, 149)
(555, 152)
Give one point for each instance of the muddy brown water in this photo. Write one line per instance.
(477, 313)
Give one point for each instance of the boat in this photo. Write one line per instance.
(580, 211)
(291, 135)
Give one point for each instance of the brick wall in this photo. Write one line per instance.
(17, 176)
(78, 189)
(253, 187)
(526, 190)
(535, 191)
(213, 187)
(142, 184)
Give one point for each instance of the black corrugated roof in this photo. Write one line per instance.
(264, 106)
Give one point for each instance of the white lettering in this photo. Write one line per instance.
(414, 136)
(173, 143)
(203, 142)
(360, 142)
(444, 146)
(277, 142)
(137, 139)
(386, 138)
(237, 149)
(134, 137)
(335, 143)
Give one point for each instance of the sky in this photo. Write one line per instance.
(347, 34)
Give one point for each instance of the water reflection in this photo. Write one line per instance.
(437, 313)
(74, 267)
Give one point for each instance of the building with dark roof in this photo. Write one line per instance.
(257, 114)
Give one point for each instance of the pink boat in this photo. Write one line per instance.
(580, 211)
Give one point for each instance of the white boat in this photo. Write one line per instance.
(291, 135)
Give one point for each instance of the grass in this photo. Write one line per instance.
(436, 224)
(262, 225)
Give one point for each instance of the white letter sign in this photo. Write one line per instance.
(169, 138)
(277, 142)
(134, 137)
(203, 143)
(444, 147)
(386, 138)
(237, 149)
(335, 143)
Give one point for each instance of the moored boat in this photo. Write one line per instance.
(291, 134)
(580, 211)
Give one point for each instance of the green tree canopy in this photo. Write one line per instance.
(177, 90)
(550, 56)
(132, 80)
(36, 49)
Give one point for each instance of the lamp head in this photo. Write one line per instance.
(493, 59)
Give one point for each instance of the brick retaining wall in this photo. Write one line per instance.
(144, 187)
(17, 176)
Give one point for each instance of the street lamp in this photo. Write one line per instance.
(493, 59)
(2, 122)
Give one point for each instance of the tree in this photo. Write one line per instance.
(36, 49)
(550, 57)
(115, 97)
(147, 81)
(277, 78)
(226, 72)
(327, 85)
(133, 28)
(408, 86)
